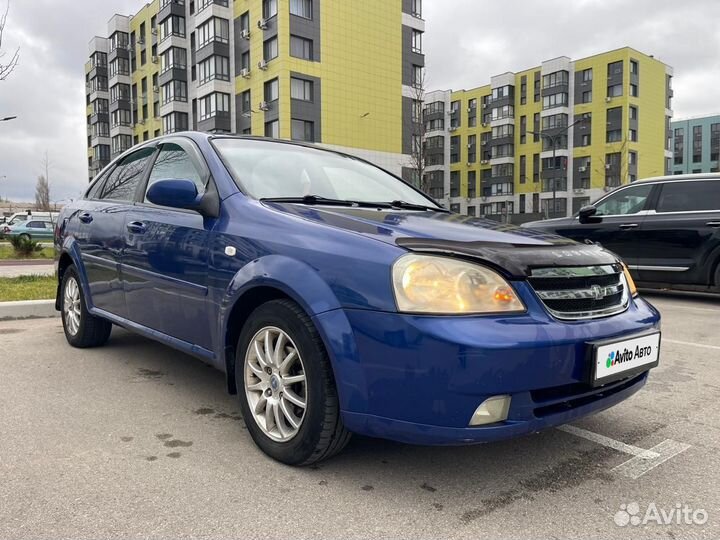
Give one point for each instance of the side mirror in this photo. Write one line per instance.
(588, 215)
(175, 194)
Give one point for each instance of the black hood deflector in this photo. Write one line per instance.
(515, 260)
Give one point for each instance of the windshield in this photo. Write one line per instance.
(268, 170)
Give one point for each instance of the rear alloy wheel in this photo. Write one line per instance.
(286, 386)
(82, 329)
(24, 237)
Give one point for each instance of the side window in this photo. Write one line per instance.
(123, 181)
(688, 196)
(34, 225)
(626, 201)
(96, 188)
(173, 163)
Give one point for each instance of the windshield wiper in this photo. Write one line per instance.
(404, 205)
(311, 199)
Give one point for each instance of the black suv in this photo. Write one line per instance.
(666, 229)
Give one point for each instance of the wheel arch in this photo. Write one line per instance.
(269, 278)
(70, 256)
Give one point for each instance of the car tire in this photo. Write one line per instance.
(24, 237)
(82, 330)
(265, 375)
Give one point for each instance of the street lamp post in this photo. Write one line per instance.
(553, 139)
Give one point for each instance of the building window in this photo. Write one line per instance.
(172, 26)
(555, 100)
(454, 183)
(245, 60)
(501, 132)
(633, 112)
(506, 111)
(633, 90)
(173, 58)
(272, 90)
(245, 103)
(536, 169)
(503, 150)
(269, 8)
(587, 96)
(615, 68)
(523, 129)
(215, 67)
(202, 4)
(554, 121)
(634, 68)
(175, 122)
(633, 135)
(301, 48)
(417, 36)
(301, 89)
(416, 9)
(454, 149)
(301, 8)
(679, 149)
(536, 127)
(523, 167)
(303, 130)
(558, 78)
(418, 76)
(587, 75)
(270, 49)
(214, 29)
(697, 144)
(472, 184)
(174, 91)
(632, 158)
(614, 135)
(212, 105)
(615, 90)
(272, 129)
(715, 143)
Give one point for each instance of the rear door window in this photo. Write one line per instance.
(689, 196)
(125, 178)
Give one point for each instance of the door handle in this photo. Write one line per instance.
(713, 224)
(137, 227)
(85, 217)
(626, 226)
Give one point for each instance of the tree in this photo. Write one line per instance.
(418, 157)
(7, 69)
(42, 194)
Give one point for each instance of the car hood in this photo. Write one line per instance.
(510, 248)
(549, 223)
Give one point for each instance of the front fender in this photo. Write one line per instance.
(304, 285)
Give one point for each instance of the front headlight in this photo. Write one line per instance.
(630, 281)
(430, 284)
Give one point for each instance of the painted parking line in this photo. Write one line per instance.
(607, 441)
(642, 462)
(689, 343)
(634, 468)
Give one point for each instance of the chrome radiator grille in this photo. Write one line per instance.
(581, 292)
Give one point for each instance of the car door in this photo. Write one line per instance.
(621, 215)
(681, 235)
(98, 230)
(165, 263)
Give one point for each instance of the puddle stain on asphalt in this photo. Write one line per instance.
(206, 411)
(367, 488)
(174, 443)
(150, 374)
(151, 458)
(163, 436)
(7, 331)
(174, 455)
(428, 487)
(126, 439)
(567, 474)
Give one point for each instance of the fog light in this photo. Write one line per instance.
(494, 409)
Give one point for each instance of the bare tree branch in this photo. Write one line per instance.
(7, 69)
(418, 128)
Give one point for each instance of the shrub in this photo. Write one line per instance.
(24, 247)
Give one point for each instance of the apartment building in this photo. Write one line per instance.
(696, 145)
(339, 74)
(545, 141)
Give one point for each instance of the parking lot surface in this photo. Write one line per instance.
(137, 440)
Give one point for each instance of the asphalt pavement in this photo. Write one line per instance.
(135, 440)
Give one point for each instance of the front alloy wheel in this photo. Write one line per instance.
(275, 384)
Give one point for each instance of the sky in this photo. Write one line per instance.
(466, 42)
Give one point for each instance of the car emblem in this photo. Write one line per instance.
(597, 292)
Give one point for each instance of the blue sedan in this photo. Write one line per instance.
(338, 299)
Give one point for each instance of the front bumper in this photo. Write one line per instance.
(418, 379)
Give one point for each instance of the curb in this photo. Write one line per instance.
(27, 309)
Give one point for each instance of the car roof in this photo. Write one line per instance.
(671, 177)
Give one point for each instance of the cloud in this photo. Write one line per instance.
(467, 42)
